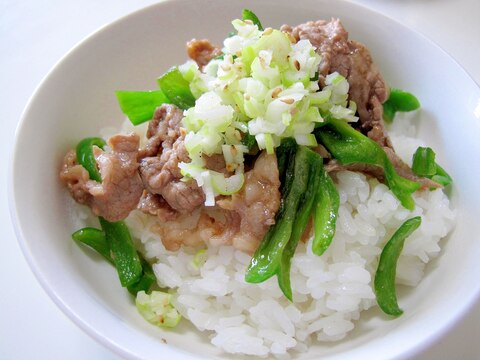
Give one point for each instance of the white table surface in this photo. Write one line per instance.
(34, 35)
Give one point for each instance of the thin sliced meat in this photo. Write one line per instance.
(121, 186)
(352, 60)
(161, 175)
(163, 130)
(154, 204)
(256, 204)
(377, 172)
(241, 220)
(367, 88)
(202, 51)
(159, 170)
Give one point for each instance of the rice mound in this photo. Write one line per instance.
(329, 292)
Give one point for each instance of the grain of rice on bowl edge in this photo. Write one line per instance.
(205, 182)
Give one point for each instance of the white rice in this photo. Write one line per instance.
(329, 292)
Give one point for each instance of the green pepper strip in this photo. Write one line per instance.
(399, 100)
(424, 165)
(139, 106)
(387, 267)
(118, 246)
(86, 158)
(441, 176)
(176, 88)
(302, 217)
(286, 159)
(94, 238)
(349, 146)
(424, 162)
(249, 141)
(266, 260)
(146, 281)
(124, 254)
(250, 15)
(327, 202)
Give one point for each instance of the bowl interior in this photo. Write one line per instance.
(77, 100)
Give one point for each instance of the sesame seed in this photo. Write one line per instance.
(288, 101)
(248, 21)
(275, 92)
(268, 31)
(291, 38)
(297, 64)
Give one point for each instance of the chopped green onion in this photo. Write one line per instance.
(226, 185)
(199, 258)
(384, 282)
(157, 309)
(139, 106)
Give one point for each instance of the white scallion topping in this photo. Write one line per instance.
(265, 86)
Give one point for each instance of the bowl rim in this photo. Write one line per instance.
(454, 317)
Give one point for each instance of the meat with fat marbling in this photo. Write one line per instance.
(256, 205)
(159, 169)
(202, 51)
(352, 60)
(241, 220)
(366, 87)
(121, 186)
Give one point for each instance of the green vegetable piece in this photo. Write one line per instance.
(384, 282)
(250, 15)
(146, 281)
(95, 238)
(302, 217)
(424, 162)
(441, 176)
(123, 252)
(424, 165)
(157, 309)
(266, 260)
(399, 100)
(139, 106)
(327, 202)
(176, 88)
(349, 146)
(249, 141)
(285, 158)
(86, 158)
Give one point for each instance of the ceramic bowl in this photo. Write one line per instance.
(77, 99)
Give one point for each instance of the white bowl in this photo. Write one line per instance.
(77, 99)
